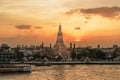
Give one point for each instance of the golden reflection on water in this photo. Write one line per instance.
(68, 72)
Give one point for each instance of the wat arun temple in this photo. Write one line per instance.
(60, 47)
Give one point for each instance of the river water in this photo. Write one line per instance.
(67, 72)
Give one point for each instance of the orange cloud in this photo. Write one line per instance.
(23, 26)
(107, 12)
(38, 27)
(77, 28)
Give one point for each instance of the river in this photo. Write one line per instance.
(67, 72)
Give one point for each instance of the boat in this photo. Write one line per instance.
(14, 68)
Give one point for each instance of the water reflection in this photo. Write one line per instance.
(68, 72)
(59, 73)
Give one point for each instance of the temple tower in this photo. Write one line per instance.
(59, 46)
(59, 37)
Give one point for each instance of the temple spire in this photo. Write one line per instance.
(60, 36)
(59, 27)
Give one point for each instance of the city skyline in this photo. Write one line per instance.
(84, 22)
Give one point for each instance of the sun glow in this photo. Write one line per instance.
(77, 40)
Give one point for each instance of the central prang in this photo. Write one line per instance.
(60, 47)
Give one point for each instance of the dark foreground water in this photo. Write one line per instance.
(67, 72)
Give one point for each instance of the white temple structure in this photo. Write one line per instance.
(60, 47)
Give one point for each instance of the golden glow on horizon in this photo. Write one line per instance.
(77, 40)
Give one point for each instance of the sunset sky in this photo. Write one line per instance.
(84, 22)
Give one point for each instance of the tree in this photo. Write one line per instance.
(91, 54)
(20, 56)
(114, 55)
(73, 54)
(37, 55)
(100, 55)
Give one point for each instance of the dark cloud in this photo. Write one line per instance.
(38, 27)
(86, 22)
(87, 17)
(109, 12)
(72, 11)
(77, 28)
(23, 26)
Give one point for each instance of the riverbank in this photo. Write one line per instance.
(80, 62)
(48, 63)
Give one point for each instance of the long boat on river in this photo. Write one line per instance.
(15, 68)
